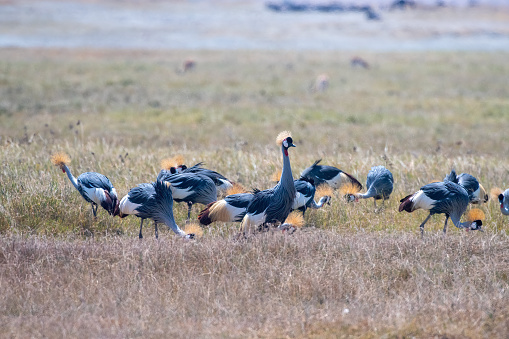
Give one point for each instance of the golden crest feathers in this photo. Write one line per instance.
(167, 164)
(295, 219)
(178, 160)
(282, 136)
(495, 192)
(349, 188)
(235, 189)
(193, 228)
(276, 175)
(60, 159)
(475, 214)
(324, 190)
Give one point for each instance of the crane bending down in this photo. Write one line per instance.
(273, 205)
(503, 199)
(476, 192)
(152, 201)
(177, 162)
(94, 187)
(379, 183)
(191, 188)
(444, 197)
(305, 197)
(221, 182)
(136, 197)
(330, 175)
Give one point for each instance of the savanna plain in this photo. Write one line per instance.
(351, 271)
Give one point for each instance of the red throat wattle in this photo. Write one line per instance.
(286, 152)
(63, 170)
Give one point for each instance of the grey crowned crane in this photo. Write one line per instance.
(379, 184)
(152, 201)
(273, 205)
(94, 187)
(476, 192)
(503, 199)
(444, 197)
(177, 162)
(305, 197)
(330, 175)
(192, 188)
(231, 208)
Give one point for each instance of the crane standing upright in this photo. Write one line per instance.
(273, 205)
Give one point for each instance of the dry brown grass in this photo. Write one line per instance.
(65, 274)
(311, 284)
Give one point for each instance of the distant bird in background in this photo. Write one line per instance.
(321, 83)
(94, 187)
(359, 62)
(231, 208)
(221, 182)
(379, 184)
(476, 192)
(332, 176)
(192, 188)
(444, 197)
(152, 201)
(273, 205)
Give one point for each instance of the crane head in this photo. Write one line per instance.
(60, 159)
(476, 226)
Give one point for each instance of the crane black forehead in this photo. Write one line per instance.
(289, 140)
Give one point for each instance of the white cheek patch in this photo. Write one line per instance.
(285, 143)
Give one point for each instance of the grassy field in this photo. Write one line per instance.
(350, 272)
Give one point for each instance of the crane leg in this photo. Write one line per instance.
(94, 210)
(445, 225)
(141, 226)
(422, 225)
(189, 205)
(157, 232)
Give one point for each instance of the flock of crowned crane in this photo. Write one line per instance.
(273, 206)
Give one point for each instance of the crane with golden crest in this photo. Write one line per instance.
(94, 187)
(272, 206)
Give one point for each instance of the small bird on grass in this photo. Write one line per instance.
(94, 187)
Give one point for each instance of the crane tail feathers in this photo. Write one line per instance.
(215, 211)
(406, 204)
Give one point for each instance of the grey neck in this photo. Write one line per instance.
(71, 177)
